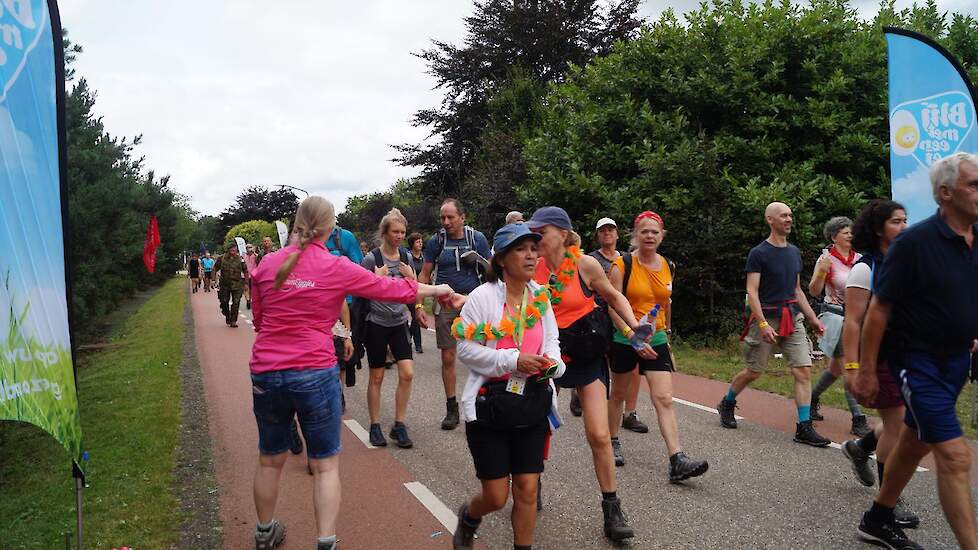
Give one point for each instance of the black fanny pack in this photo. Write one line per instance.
(505, 410)
(589, 338)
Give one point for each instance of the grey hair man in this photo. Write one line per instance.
(925, 297)
(514, 217)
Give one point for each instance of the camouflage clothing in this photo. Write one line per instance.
(233, 271)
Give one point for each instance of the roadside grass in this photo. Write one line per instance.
(130, 410)
(722, 363)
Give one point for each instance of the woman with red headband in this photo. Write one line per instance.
(572, 279)
(645, 278)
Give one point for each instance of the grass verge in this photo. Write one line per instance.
(130, 410)
(722, 364)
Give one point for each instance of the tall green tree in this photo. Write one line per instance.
(257, 203)
(707, 120)
(539, 39)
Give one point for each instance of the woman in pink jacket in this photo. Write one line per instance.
(297, 294)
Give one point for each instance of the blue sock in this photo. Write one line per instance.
(731, 395)
(804, 413)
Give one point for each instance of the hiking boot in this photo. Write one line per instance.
(327, 545)
(726, 410)
(859, 460)
(400, 436)
(805, 433)
(885, 534)
(575, 404)
(859, 426)
(270, 538)
(296, 440)
(377, 436)
(464, 533)
(681, 467)
(904, 516)
(631, 422)
(615, 524)
(816, 405)
(451, 416)
(234, 324)
(616, 450)
(418, 349)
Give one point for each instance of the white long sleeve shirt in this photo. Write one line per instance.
(485, 305)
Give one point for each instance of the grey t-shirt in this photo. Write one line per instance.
(386, 314)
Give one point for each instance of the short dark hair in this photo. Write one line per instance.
(870, 222)
(495, 271)
(413, 238)
(456, 203)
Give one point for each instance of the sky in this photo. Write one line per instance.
(235, 93)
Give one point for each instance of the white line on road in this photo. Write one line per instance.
(358, 431)
(702, 407)
(833, 444)
(434, 505)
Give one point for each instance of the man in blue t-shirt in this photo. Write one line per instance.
(778, 308)
(446, 251)
(925, 302)
(208, 264)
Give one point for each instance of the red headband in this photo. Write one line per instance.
(649, 215)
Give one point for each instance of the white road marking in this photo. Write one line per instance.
(358, 431)
(833, 444)
(434, 505)
(702, 407)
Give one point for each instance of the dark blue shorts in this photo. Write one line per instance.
(930, 389)
(313, 395)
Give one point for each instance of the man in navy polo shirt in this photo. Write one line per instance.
(926, 303)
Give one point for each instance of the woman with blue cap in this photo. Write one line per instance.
(585, 336)
(508, 338)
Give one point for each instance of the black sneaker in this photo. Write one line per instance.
(816, 405)
(377, 436)
(859, 460)
(904, 516)
(631, 422)
(296, 440)
(726, 410)
(681, 467)
(805, 433)
(615, 524)
(270, 538)
(575, 404)
(418, 350)
(884, 534)
(464, 533)
(859, 426)
(450, 421)
(616, 450)
(327, 545)
(399, 434)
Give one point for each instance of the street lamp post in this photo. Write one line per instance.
(283, 186)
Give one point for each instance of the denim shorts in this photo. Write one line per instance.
(930, 388)
(313, 395)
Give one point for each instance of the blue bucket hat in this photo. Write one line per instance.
(508, 235)
(550, 215)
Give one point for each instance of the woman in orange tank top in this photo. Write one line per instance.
(572, 279)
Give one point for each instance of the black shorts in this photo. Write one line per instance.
(194, 274)
(207, 275)
(379, 338)
(500, 453)
(624, 358)
(582, 373)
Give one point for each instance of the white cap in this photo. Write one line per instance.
(606, 221)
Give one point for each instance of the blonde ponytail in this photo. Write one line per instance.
(314, 219)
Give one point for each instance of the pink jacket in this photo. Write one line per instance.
(294, 324)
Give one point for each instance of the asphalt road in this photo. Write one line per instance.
(762, 489)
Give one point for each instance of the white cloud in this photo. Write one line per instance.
(233, 94)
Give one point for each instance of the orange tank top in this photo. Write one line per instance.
(574, 304)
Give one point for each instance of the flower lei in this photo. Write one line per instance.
(485, 332)
(565, 272)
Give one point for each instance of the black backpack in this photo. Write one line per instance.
(361, 306)
(469, 242)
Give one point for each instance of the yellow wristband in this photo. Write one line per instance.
(418, 306)
(851, 366)
(763, 324)
(627, 332)
(820, 274)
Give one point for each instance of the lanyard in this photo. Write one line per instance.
(520, 328)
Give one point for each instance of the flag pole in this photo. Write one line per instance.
(79, 476)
